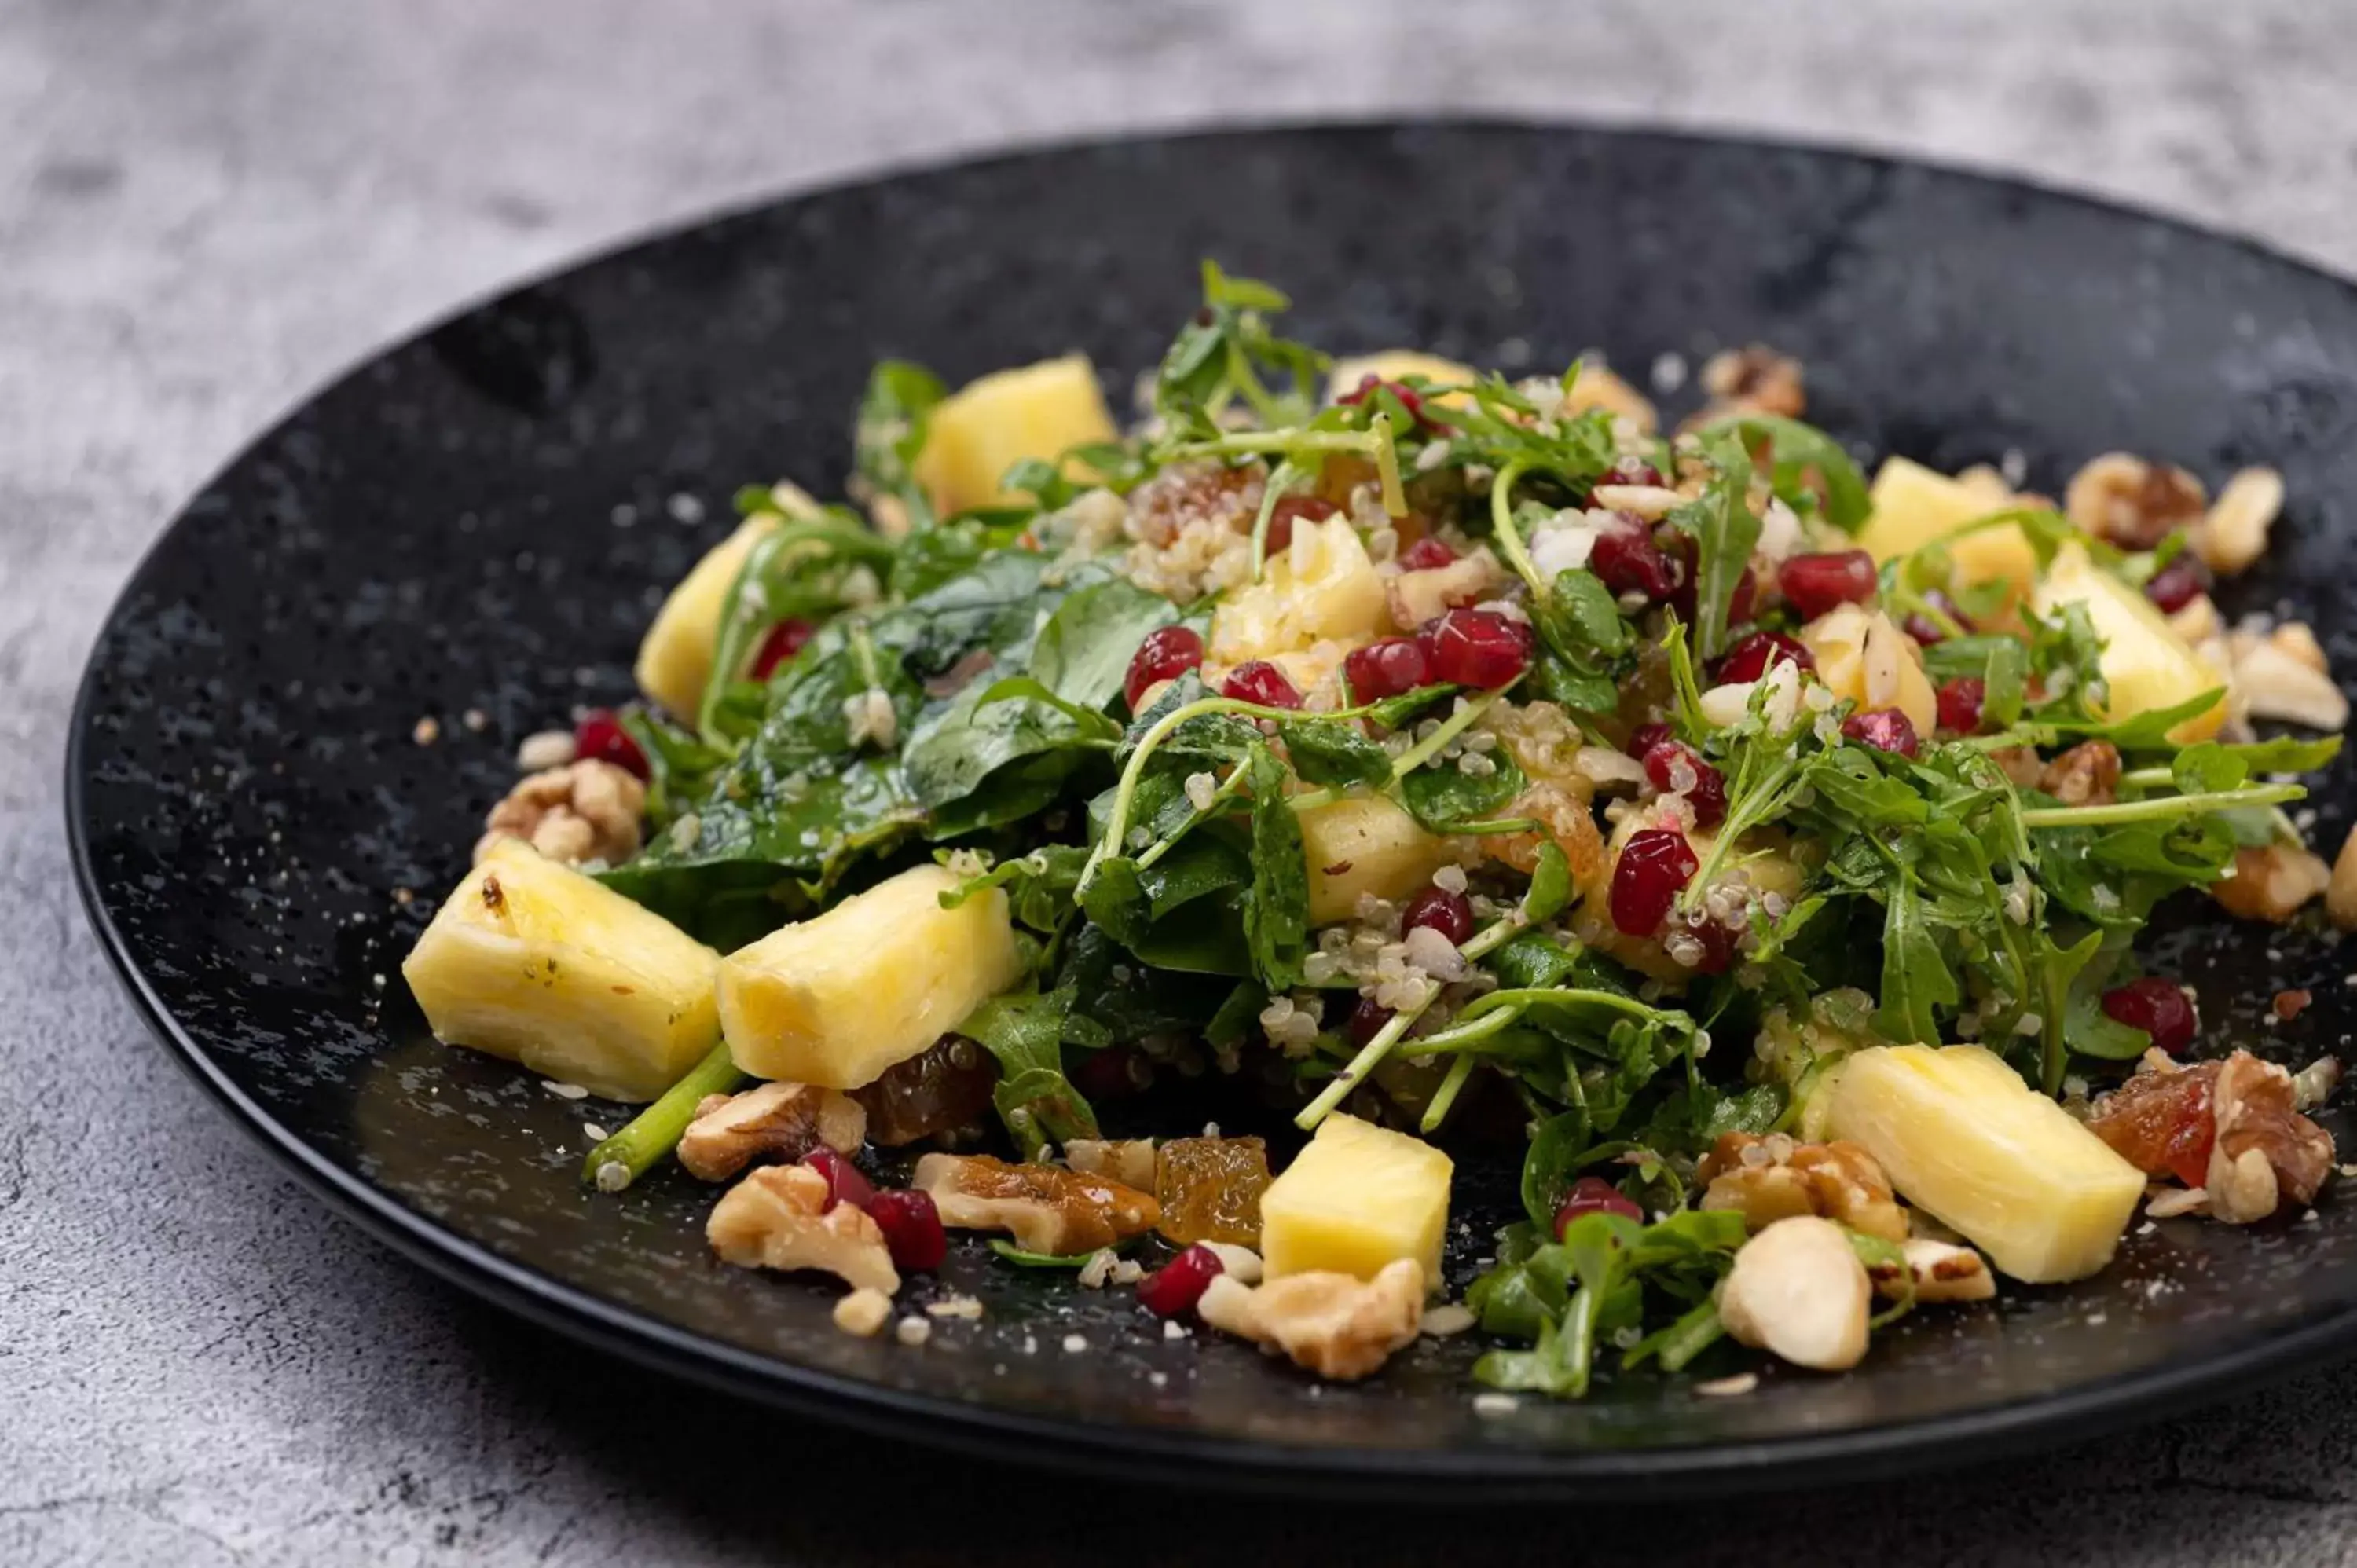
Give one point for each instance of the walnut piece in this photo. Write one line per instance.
(1774, 1177)
(1753, 379)
(582, 811)
(777, 1217)
(2273, 882)
(1941, 1271)
(1797, 1289)
(2266, 1154)
(2086, 774)
(1336, 1324)
(775, 1121)
(1046, 1208)
(1129, 1161)
(2131, 502)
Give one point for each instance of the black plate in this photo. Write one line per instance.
(482, 518)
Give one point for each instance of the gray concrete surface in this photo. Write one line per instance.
(207, 209)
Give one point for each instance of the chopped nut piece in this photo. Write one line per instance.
(2131, 502)
(2273, 882)
(2172, 1201)
(2235, 533)
(1415, 597)
(2290, 1004)
(862, 1312)
(2086, 774)
(1045, 1207)
(2266, 1154)
(2020, 764)
(1771, 1178)
(1337, 1326)
(584, 811)
(1129, 1161)
(775, 1121)
(2283, 676)
(777, 1217)
(545, 749)
(1753, 379)
(1941, 1271)
(1798, 1289)
(1242, 1263)
(2341, 887)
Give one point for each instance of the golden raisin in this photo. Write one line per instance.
(1210, 1189)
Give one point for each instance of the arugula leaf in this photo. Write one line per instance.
(1025, 1030)
(1276, 909)
(1916, 980)
(1807, 467)
(889, 432)
(1725, 531)
(1221, 354)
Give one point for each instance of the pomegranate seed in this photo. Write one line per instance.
(1678, 769)
(912, 1229)
(1644, 737)
(1167, 653)
(600, 735)
(1438, 909)
(1715, 945)
(1366, 1020)
(1116, 1072)
(1173, 1289)
(1425, 554)
(2159, 1007)
(1594, 1194)
(1655, 866)
(1624, 472)
(785, 641)
(844, 1183)
(1885, 729)
(1477, 648)
(1922, 628)
(1387, 669)
(1753, 657)
(1960, 703)
(1258, 681)
(2179, 583)
(1413, 403)
(1627, 561)
(1293, 509)
(1813, 584)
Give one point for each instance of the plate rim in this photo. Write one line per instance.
(1113, 1448)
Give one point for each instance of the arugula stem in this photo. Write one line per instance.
(1279, 480)
(2159, 808)
(1387, 467)
(1285, 442)
(655, 1131)
(1371, 1055)
(1509, 538)
(1452, 727)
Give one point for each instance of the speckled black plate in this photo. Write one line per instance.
(475, 526)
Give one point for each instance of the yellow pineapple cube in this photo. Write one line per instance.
(675, 659)
(1365, 843)
(1322, 586)
(1358, 1198)
(1397, 365)
(1962, 1138)
(1913, 505)
(989, 425)
(836, 1000)
(1860, 655)
(531, 961)
(2147, 666)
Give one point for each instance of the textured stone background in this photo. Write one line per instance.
(207, 210)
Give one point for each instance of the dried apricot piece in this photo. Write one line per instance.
(1210, 1189)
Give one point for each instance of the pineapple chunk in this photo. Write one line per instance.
(1861, 656)
(989, 425)
(1912, 506)
(531, 961)
(2146, 664)
(1963, 1138)
(1395, 365)
(1366, 843)
(1358, 1198)
(675, 659)
(875, 980)
(1323, 587)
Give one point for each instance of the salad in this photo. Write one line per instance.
(1414, 758)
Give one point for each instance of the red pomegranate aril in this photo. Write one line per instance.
(1655, 866)
(1116, 1072)
(1625, 472)
(1260, 681)
(1960, 703)
(1627, 561)
(1425, 554)
(1884, 729)
(1677, 769)
(1172, 1290)
(1594, 1194)
(1293, 509)
(785, 641)
(1712, 952)
(1387, 668)
(912, 1229)
(1409, 399)
(2157, 1007)
(1438, 909)
(1753, 656)
(1644, 737)
(1366, 1020)
(1477, 648)
(599, 737)
(1813, 584)
(1166, 653)
(844, 1183)
(2178, 585)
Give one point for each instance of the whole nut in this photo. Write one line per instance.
(1798, 1290)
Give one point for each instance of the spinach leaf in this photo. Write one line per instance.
(1441, 793)
(1276, 908)
(1331, 752)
